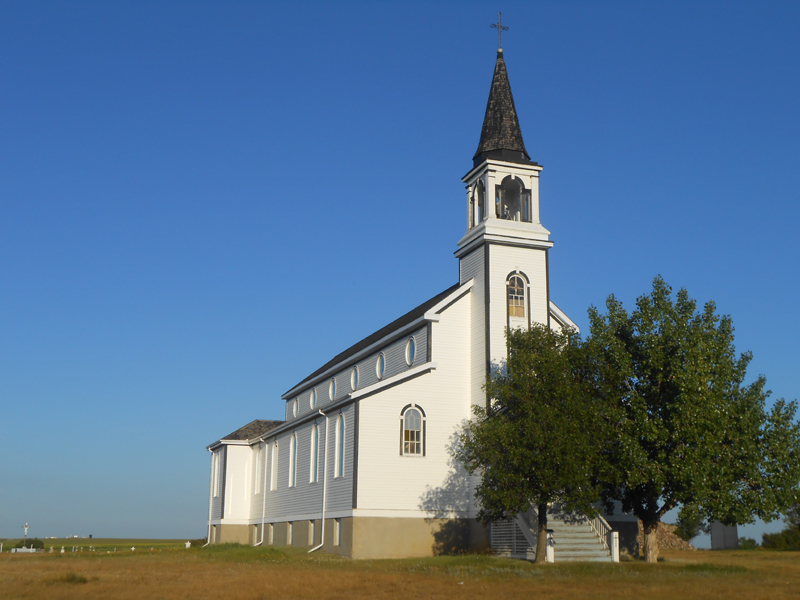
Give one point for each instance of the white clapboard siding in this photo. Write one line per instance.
(340, 489)
(388, 481)
(503, 260)
(260, 481)
(304, 497)
(217, 483)
(472, 267)
(237, 482)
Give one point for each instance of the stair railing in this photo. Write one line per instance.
(601, 528)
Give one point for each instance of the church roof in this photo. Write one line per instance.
(407, 318)
(501, 136)
(252, 430)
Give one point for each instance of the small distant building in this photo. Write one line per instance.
(724, 537)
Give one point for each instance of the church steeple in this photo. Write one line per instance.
(501, 136)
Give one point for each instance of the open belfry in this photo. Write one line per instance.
(362, 464)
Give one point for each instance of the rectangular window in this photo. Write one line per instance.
(412, 444)
(337, 532)
(311, 533)
(271, 532)
(289, 533)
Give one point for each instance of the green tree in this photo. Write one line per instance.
(534, 442)
(690, 523)
(789, 538)
(30, 543)
(683, 426)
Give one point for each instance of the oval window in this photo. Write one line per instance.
(313, 399)
(332, 389)
(380, 366)
(411, 349)
(354, 379)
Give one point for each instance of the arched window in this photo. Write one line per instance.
(314, 477)
(472, 215)
(339, 472)
(516, 296)
(313, 398)
(332, 389)
(293, 461)
(512, 200)
(295, 407)
(481, 191)
(354, 379)
(273, 480)
(412, 431)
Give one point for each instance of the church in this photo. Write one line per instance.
(362, 464)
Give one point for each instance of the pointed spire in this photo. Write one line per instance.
(501, 136)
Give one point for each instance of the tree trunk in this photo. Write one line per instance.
(650, 541)
(541, 539)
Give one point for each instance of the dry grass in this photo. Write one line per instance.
(254, 573)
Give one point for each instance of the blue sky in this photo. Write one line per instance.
(201, 202)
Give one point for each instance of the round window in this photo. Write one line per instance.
(294, 407)
(332, 389)
(354, 379)
(380, 366)
(313, 399)
(411, 349)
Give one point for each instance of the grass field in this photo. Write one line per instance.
(255, 573)
(102, 545)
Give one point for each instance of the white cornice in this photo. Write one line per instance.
(393, 380)
(333, 406)
(560, 315)
(501, 231)
(490, 163)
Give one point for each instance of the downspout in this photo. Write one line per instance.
(324, 485)
(263, 494)
(210, 499)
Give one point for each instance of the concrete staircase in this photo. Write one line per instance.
(576, 540)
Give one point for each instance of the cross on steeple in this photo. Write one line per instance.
(500, 29)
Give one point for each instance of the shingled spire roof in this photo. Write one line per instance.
(501, 136)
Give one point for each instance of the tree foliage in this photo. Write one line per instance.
(684, 428)
(535, 442)
(789, 538)
(691, 523)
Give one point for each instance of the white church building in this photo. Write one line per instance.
(361, 466)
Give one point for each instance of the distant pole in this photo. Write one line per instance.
(26, 527)
(500, 29)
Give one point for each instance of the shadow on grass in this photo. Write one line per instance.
(69, 578)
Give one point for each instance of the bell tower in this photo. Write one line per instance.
(505, 247)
